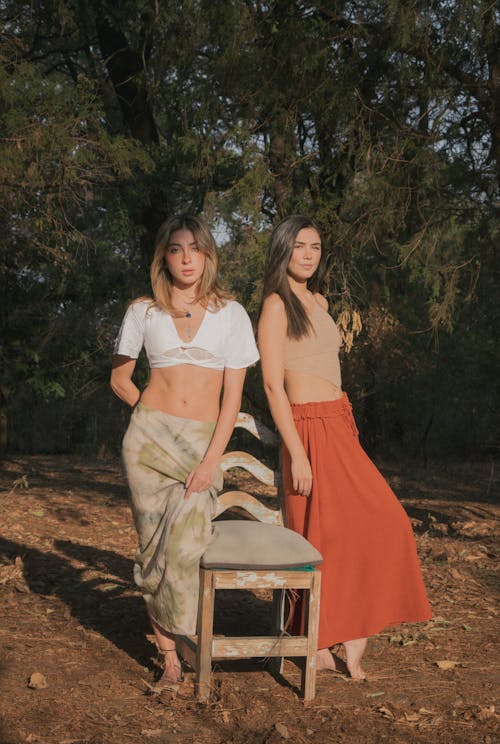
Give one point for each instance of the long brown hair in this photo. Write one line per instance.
(210, 293)
(280, 251)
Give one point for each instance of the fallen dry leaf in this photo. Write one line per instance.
(396, 639)
(157, 689)
(12, 571)
(282, 730)
(37, 681)
(486, 713)
(386, 712)
(440, 528)
(412, 717)
(447, 664)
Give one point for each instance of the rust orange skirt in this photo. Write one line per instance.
(370, 576)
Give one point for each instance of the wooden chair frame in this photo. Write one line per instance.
(203, 648)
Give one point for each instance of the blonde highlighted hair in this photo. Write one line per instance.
(210, 293)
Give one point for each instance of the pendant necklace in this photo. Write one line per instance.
(189, 330)
(186, 313)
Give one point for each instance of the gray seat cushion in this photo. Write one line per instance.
(241, 544)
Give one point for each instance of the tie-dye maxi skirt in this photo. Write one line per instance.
(159, 451)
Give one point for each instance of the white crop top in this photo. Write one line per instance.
(224, 339)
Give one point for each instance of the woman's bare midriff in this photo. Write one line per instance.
(304, 388)
(185, 390)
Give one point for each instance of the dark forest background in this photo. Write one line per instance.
(380, 119)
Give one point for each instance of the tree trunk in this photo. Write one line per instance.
(125, 67)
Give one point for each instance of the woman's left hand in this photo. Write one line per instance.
(199, 479)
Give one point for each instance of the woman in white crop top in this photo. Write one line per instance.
(199, 343)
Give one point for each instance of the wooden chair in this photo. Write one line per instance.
(254, 555)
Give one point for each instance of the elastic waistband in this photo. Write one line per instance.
(322, 408)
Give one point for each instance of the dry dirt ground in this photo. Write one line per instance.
(72, 623)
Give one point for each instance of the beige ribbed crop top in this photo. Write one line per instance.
(317, 353)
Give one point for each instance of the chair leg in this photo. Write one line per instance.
(309, 676)
(277, 625)
(205, 635)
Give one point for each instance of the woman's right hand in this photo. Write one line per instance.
(302, 476)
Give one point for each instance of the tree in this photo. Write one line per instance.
(381, 120)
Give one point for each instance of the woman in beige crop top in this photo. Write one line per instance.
(334, 495)
(199, 343)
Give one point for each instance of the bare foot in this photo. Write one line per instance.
(325, 660)
(354, 651)
(165, 643)
(172, 674)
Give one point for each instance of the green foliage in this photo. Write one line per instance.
(380, 119)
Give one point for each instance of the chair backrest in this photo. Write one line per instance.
(239, 459)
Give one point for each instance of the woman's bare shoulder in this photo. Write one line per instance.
(272, 325)
(321, 300)
(274, 304)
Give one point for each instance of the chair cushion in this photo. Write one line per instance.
(242, 544)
